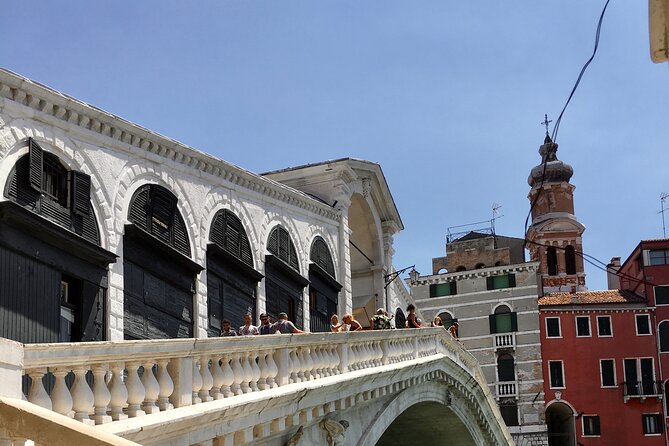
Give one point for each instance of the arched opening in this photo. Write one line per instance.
(666, 396)
(551, 261)
(284, 285)
(52, 266)
(416, 425)
(664, 336)
(231, 278)
(158, 273)
(480, 266)
(570, 260)
(503, 320)
(442, 271)
(560, 421)
(323, 288)
(365, 256)
(505, 368)
(460, 268)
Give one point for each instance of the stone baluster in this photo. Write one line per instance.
(308, 364)
(303, 373)
(136, 392)
(217, 378)
(336, 361)
(248, 373)
(61, 400)
(319, 363)
(255, 377)
(313, 357)
(273, 370)
(166, 385)
(197, 381)
(324, 351)
(264, 371)
(294, 365)
(207, 379)
(37, 394)
(151, 389)
(379, 353)
(228, 376)
(101, 394)
(364, 363)
(119, 393)
(238, 372)
(352, 356)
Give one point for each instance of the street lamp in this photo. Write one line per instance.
(388, 278)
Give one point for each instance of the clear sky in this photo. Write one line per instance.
(447, 96)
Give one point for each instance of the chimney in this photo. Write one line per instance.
(612, 273)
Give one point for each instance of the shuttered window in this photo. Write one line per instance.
(282, 247)
(503, 321)
(229, 234)
(443, 289)
(154, 210)
(320, 255)
(500, 282)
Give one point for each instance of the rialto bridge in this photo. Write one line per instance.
(367, 388)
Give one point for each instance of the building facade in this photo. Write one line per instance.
(110, 231)
(486, 286)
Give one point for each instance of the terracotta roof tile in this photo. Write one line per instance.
(591, 297)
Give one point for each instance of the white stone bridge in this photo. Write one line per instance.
(367, 388)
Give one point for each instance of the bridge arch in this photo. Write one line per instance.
(429, 392)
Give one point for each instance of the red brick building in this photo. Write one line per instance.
(601, 375)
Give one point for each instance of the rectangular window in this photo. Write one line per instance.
(642, 324)
(582, 326)
(607, 369)
(652, 424)
(509, 414)
(604, 326)
(503, 322)
(500, 282)
(553, 327)
(443, 289)
(661, 295)
(659, 257)
(556, 376)
(591, 426)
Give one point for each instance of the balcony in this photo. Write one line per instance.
(504, 341)
(507, 389)
(642, 390)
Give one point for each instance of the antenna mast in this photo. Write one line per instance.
(663, 199)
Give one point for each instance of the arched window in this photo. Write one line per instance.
(503, 320)
(228, 233)
(320, 255)
(460, 268)
(446, 319)
(324, 289)
(442, 271)
(664, 336)
(153, 209)
(282, 247)
(505, 368)
(231, 278)
(666, 395)
(480, 266)
(551, 260)
(570, 260)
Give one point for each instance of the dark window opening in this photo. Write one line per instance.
(479, 266)
(509, 412)
(553, 327)
(582, 325)
(555, 374)
(505, 368)
(551, 260)
(664, 336)
(570, 260)
(604, 326)
(591, 425)
(642, 324)
(661, 295)
(460, 269)
(54, 179)
(607, 367)
(652, 423)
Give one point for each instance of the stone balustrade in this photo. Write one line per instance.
(101, 382)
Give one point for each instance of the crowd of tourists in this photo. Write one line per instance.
(380, 321)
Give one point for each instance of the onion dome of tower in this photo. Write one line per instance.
(556, 171)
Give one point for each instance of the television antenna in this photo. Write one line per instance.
(663, 199)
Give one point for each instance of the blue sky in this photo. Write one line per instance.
(447, 96)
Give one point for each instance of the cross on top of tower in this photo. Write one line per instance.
(546, 122)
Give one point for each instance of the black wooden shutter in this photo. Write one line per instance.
(36, 161)
(512, 280)
(81, 193)
(92, 312)
(514, 321)
(493, 323)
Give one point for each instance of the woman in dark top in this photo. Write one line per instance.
(412, 320)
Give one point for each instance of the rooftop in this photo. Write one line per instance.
(591, 298)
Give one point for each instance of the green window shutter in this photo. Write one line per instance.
(493, 323)
(441, 289)
(454, 288)
(514, 321)
(490, 282)
(36, 162)
(512, 280)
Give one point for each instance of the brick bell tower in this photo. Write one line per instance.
(555, 235)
